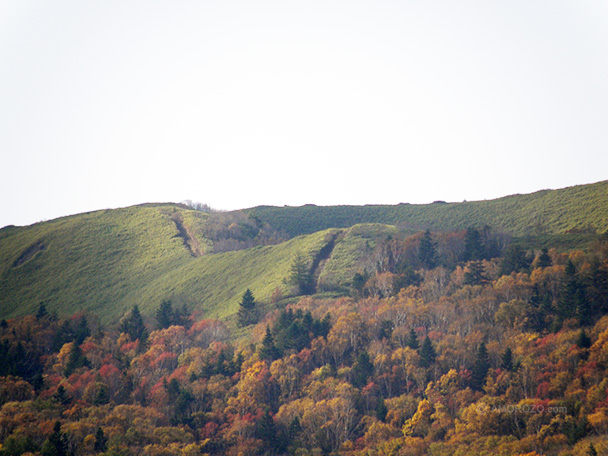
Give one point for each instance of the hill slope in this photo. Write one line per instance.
(107, 261)
(548, 211)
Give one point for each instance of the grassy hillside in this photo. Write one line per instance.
(107, 261)
(582, 207)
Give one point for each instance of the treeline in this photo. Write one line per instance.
(513, 364)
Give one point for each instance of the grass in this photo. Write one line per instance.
(548, 212)
(348, 255)
(106, 262)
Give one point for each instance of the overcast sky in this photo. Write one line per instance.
(242, 103)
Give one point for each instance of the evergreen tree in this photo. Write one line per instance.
(269, 350)
(101, 441)
(266, 430)
(56, 444)
(544, 260)
(362, 369)
(301, 276)
(61, 395)
(427, 253)
(480, 368)
(134, 326)
(165, 315)
(507, 360)
(75, 361)
(596, 290)
(591, 451)
(572, 301)
(473, 246)
(386, 330)
(515, 260)
(583, 340)
(381, 409)
(475, 274)
(81, 331)
(427, 353)
(412, 340)
(358, 283)
(42, 312)
(247, 314)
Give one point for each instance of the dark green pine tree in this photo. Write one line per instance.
(61, 396)
(75, 361)
(515, 260)
(247, 314)
(134, 326)
(165, 315)
(301, 276)
(596, 290)
(56, 444)
(269, 351)
(42, 312)
(583, 340)
(81, 331)
(591, 451)
(381, 409)
(427, 253)
(473, 246)
(544, 260)
(101, 441)
(266, 430)
(572, 301)
(427, 353)
(507, 360)
(475, 274)
(362, 370)
(412, 340)
(358, 283)
(480, 368)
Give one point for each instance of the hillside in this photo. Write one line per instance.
(108, 261)
(583, 207)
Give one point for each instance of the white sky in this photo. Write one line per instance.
(241, 103)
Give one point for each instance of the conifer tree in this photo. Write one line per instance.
(507, 360)
(475, 274)
(583, 340)
(301, 276)
(473, 246)
(427, 353)
(480, 368)
(412, 340)
(427, 253)
(165, 315)
(362, 369)
(42, 312)
(247, 314)
(544, 260)
(134, 326)
(269, 350)
(75, 360)
(56, 444)
(101, 441)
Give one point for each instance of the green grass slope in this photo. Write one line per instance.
(88, 261)
(582, 207)
(107, 261)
